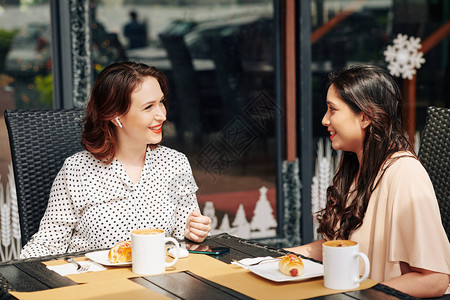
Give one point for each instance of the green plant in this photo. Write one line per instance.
(44, 85)
(6, 37)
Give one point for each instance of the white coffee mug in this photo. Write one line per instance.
(148, 248)
(341, 264)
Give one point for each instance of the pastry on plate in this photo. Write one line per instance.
(291, 265)
(120, 253)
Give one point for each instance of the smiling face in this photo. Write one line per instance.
(142, 124)
(346, 127)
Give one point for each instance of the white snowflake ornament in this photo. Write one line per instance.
(404, 56)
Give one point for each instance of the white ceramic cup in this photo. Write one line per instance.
(341, 264)
(148, 248)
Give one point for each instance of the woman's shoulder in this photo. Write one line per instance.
(404, 165)
(82, 156)
(82, 160)
(405, 181)
(168, 158)
(165, 152)
(402, 160)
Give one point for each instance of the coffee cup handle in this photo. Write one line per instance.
(177, 253)
(366, 267)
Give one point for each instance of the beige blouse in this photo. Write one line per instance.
(403, 223)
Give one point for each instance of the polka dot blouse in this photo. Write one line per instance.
(94, 206)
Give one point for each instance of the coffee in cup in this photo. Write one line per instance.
(341, 264)
(148, 247)
(341, 243)
(148, 231)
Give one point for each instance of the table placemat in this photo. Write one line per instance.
(115, 272)
(252, 285)
(117, 289)
(231, 276)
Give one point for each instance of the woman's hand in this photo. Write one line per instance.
(197, 227)
(312, 250)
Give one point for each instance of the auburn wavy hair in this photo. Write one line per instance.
(111, 97)
(372, 90)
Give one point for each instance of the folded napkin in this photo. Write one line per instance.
(70, 268)
(246, 262)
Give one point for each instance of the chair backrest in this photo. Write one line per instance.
(434, 154)
(40, 141)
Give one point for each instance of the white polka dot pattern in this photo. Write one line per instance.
(94, 206)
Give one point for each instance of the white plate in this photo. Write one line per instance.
(101, 257)
(270, 271)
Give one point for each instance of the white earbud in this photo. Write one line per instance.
(118, 122)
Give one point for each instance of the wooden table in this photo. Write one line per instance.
(31, 275)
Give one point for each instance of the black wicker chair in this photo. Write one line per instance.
(40, 141)
(434, 154)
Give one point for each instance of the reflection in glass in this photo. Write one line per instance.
(219, 62)
(347, 32)
(25, 83)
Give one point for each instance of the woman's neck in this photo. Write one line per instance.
(132, 159)
(131, 153)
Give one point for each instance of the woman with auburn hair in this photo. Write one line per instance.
(124, 179)
(381, 196)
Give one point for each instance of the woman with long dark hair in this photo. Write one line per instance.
(381, 196)
(124, 179)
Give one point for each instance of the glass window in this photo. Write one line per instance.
(25, 64)
(348, 32)
(219, 59)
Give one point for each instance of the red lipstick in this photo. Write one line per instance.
(158, 130)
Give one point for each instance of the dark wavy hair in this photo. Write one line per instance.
(372, 90)
(111, 97)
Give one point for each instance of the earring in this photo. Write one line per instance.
(118, 122)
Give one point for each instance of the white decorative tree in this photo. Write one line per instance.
(241, 223)
(324, 181)
(210, 212)
(325, 168)
(417, 142)
(315, 204)
(225, 225)
(4, 226)
(11, 197)
(5, 211)
(263, 220)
